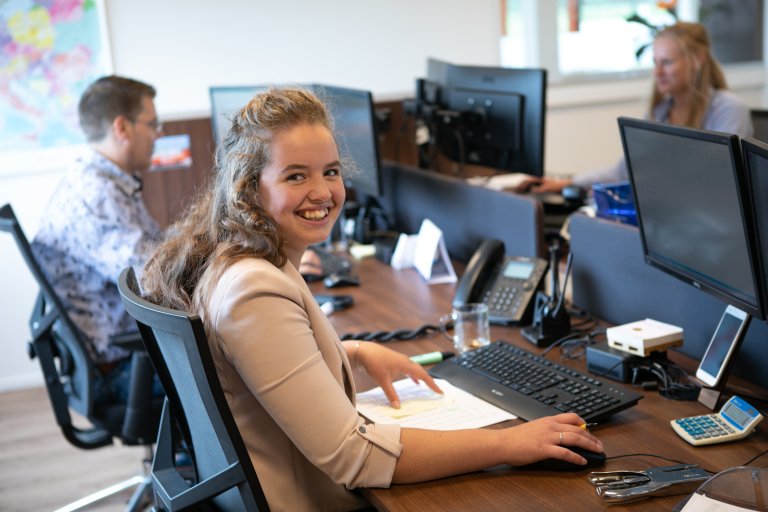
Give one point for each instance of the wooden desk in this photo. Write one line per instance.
(388, 299)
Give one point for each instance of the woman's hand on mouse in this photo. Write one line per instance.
(548, 438)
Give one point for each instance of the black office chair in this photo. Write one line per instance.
(196, 407)
(69, 373)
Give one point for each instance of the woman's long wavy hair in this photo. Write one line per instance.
(694, 40)
(227, 221)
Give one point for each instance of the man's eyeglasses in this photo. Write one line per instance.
(155, 125)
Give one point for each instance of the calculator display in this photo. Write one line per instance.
(518, 269)
(735, 414)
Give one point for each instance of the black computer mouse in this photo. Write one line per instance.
(339, 301)
(594, 460)
(337, 280)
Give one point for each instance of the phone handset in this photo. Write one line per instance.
(506, 283)
(483, 262)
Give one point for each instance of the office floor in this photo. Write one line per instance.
(41, 471)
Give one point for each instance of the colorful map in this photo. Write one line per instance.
(50, 50)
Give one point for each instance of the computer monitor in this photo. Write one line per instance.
(355, 130)
(487, 116)
(355, 127)
(226, 101)
(691, 197)
(760, 124)
(756, 164)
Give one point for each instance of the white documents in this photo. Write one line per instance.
(420, 407)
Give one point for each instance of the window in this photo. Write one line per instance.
(574, 38)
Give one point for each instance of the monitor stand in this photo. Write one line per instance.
(710, 397)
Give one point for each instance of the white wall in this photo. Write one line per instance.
(184, 47)
(27, 194)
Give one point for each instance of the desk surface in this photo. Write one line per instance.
(388, 299)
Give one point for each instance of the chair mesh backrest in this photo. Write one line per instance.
(49, 318)
(177, 344)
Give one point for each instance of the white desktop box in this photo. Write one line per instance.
(644, 336)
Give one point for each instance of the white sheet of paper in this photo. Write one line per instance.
(420, 407)
(500, 181)
(699, 502)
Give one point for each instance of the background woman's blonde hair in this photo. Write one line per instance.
(694, 40)
(227, 222)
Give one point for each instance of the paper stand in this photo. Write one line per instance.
(427, 253)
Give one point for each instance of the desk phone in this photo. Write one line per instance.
(506, 283)
(736, 420)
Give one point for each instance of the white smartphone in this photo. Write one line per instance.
(731, 329)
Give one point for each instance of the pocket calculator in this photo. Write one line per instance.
(736, 420)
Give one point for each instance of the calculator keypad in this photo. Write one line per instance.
(705, 427)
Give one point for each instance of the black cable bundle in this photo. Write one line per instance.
(399, 334)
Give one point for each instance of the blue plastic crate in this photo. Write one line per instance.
(614, 201)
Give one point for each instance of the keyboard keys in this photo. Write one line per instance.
(558, 387)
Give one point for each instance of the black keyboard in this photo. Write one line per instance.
(531, 386)
(330, 263)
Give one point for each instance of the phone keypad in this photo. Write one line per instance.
(705, 427)
(504, 298)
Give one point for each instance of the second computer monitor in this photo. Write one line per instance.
(354, 123)
(512, 105)
(355, 127)
(487, 116)
(690, 191)
(226, 101)
(756, 164)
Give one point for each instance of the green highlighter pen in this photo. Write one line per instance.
(431, 357)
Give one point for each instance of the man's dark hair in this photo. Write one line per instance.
(106, 99)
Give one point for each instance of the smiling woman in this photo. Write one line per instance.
(302, 188)
(288, 377)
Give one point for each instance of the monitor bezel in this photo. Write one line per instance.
(675, 269)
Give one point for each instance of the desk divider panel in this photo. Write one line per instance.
(612, 281)
(465, 213)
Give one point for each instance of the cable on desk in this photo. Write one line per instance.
(585, 320)
(572, 346)
(753, 459)
(672, 380)
(399, 334)
(656, 456)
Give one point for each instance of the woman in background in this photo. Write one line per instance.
(689, 89)
(288, 379)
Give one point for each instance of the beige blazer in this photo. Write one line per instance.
(289, 384)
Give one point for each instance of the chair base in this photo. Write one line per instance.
(140, 500)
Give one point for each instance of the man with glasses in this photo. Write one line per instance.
(96, 223)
